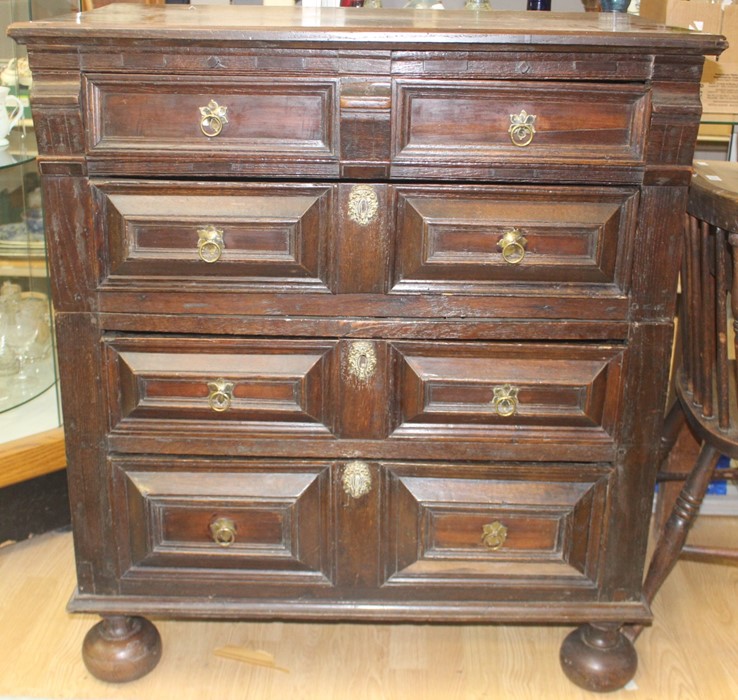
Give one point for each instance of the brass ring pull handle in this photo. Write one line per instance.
(210, 244)
(221, 395)
(494, 535)
(512, 244)
(223, 532)
(505, 400)
(213, 116)
(522, 128)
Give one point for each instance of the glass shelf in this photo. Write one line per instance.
(27, 358)
(709, 118)
(712, 130)
(22, 148)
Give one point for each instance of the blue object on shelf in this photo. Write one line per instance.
(719, 488)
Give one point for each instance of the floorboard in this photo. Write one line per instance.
(690, 652)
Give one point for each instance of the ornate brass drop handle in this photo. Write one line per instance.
(512, 244)
(494, 535)
(505, 400)
(522, 128)
(213, 116)
(223, 531)
(210, 244)
(221, 395)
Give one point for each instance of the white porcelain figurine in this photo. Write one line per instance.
(8, 121)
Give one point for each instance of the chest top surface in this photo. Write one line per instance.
(376, 28)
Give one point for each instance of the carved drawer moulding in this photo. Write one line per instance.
(363, 317)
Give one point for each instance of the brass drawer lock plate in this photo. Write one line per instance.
(363, 204)
(362, 360)
(356, 479)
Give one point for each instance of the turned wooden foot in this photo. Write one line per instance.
(120, 649)
(598, 658)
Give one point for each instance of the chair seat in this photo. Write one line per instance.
(706, 428)
(713, 194)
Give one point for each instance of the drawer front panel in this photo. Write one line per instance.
(478, 533)
(341, 250)
(265, 120)
(483, 239)
(336, 398)
(262, 235)
(266, 520)
(484, 390)
(473, 122)
(212, 384)
(468, 528)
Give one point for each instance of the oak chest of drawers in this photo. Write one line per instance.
(363, 315)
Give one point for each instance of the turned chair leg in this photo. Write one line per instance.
(683, 515)
(679, 461)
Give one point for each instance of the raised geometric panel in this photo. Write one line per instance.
(454, 390)
(436, 527)
(459, 240)
(277, 517)
(267, 122)
(252, 237)
(222, 383)
(600, 123)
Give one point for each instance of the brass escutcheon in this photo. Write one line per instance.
(505, 400)
(221, 395)
(494, 535)
(356, 479)
(522, 128)
(210, 244)
(223, 531)
(362, 360)
(213, 116)
(363, 204)
(512, 244)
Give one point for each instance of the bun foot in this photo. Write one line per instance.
(598, 658)
(120, 649)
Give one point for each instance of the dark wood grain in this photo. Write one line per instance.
(120, 649)
(365, 312)
(341, 27)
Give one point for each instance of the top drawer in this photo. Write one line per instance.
(229, 125)
(466, 124)
(322, 127)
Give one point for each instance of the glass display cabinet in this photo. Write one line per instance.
(31, 434)
(721, 132)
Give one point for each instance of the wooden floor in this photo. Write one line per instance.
(690, 652)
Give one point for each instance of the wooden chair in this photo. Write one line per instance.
(705, 376)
